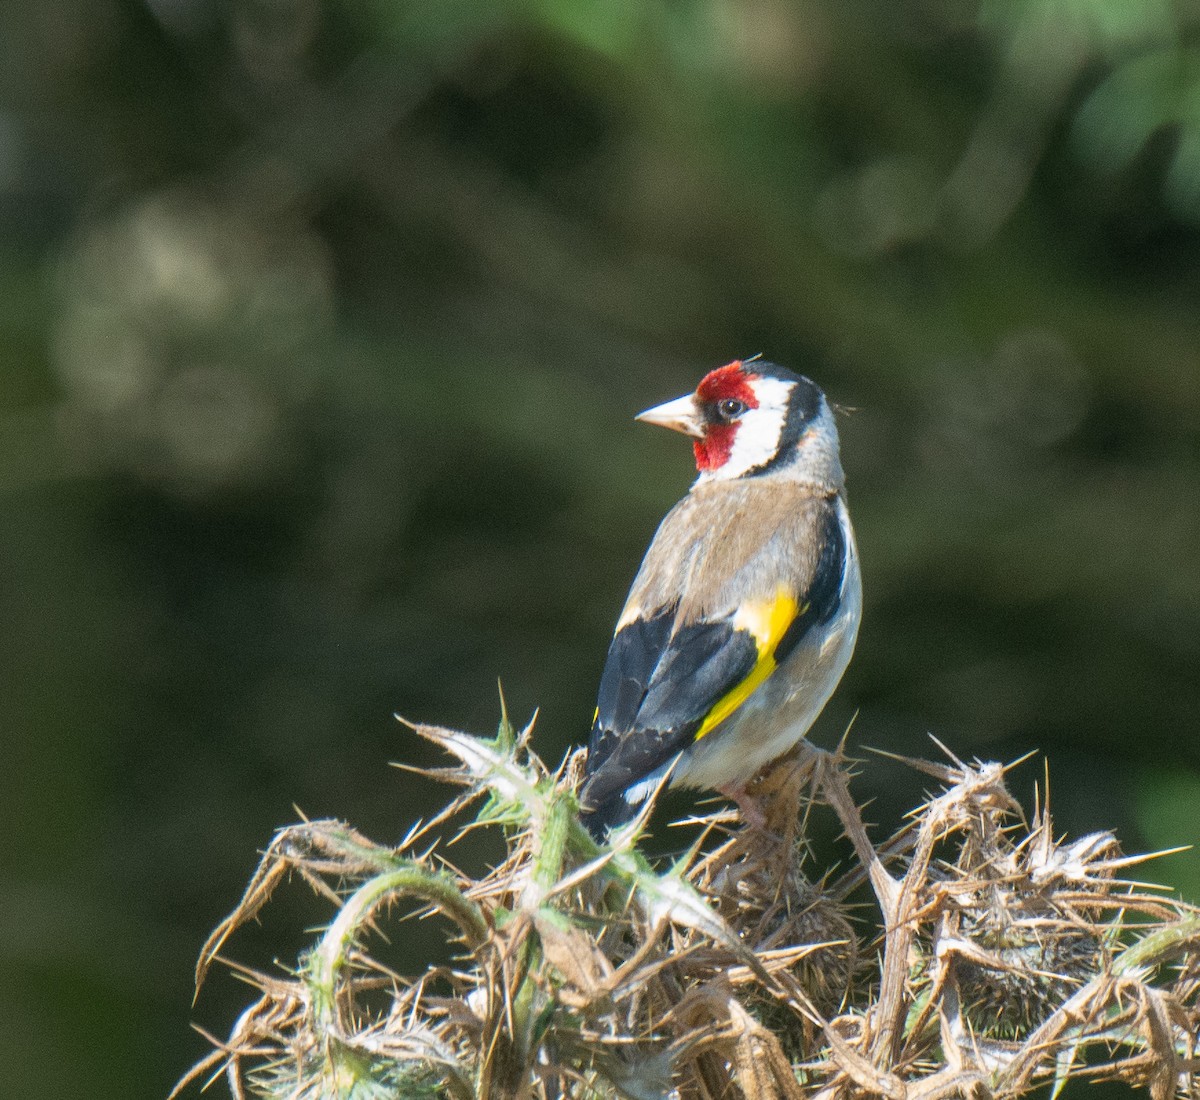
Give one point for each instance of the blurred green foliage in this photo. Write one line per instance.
(321, 329)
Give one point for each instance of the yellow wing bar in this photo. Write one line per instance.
(767, 621)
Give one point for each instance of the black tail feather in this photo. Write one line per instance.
(611, 814)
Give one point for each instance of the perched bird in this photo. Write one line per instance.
(744, 613)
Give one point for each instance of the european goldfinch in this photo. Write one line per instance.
(745, 611)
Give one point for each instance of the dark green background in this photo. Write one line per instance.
(321, 331)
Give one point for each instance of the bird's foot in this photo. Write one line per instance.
(748, 806)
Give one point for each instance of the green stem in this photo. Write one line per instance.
(552, 849)
(1157, 946)
(438, 889)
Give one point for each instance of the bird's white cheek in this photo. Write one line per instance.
(755, 444)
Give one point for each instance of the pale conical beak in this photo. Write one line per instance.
(679, 415)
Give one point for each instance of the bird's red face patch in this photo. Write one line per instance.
(723, 384)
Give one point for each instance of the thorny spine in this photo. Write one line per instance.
(589, 973)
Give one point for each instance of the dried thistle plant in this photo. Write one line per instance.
(1001, 957)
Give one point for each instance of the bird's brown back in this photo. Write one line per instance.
(715, 548)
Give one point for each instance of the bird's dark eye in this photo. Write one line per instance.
(730, 408)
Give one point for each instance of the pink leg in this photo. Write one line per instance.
(747, 805)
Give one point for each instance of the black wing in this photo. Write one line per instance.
(824, 594)
(660, 683)
(655, 691)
